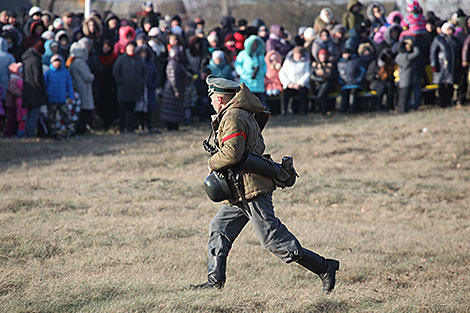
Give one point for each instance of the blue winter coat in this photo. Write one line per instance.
(59, 85)
(46, 57)
(5, 60)
(223, 70)
(248, 61)
(153, 81)
(350, 73)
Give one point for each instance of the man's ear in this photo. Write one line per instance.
(220, 99)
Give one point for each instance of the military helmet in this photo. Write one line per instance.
(217, 187)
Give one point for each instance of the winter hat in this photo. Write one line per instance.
(48, 35)
(56, 57)
(154, 32)
(301, 30)
(15, 67)
(177, 30)
(218, 54)
(309, 34)
(242, 22)
(141, 35)
(148, 4)
(346, 50)
(298, 49)
(229, 37)
(212, 38)
(162, 24)
(379, 37)
(339, 28)
(54, 44)
(35, 10)
(57, 23)
(39, 47)
(199, 20)
(413, 7)
(199, 31)
(446, 26)
(323, 51)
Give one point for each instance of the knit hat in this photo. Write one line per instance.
(154, 32)
(57, 23)
(446, 26)
(56, 57)
(148, 4)
(339, 28)
(309, 34)
(162, 24)
(39, 46)
(15, 67)
(212, 38)
(218, 54)
(413, 7)
(48, 35)
(323, 51)
(177, 30)
(35, 10)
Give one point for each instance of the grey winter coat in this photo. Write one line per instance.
(130, 75)
(443, 57)
(408, 68)
(82, 77)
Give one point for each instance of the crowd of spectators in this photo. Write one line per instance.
(63, 76)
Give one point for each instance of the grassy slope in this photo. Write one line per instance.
(119, 223)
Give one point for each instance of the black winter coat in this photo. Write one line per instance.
(444, 56)
(130, 75)
(174, 92)
(34, 89)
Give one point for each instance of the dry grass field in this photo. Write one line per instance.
(120, 223)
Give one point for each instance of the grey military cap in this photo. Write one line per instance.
(221, 85)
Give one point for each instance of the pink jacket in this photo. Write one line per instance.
(416, 23)
(271, 80)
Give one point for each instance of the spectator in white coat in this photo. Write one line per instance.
(295, 77)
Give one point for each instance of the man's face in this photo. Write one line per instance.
(67, 19)
(36, 17)
(140, 42)
(216, 101)
(4, 18)
(324, 36)
(12, 20)
(147, 27)
(322, 57)
(130, 49)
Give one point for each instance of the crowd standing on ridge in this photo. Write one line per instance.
(63, 76)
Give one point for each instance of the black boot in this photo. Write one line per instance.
(216, 273)
(325, 268)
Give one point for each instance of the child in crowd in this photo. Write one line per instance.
(350, 79)
(59, 89)
(272, 83)
(323, 76)
(408, 73)
(16, 116)
(219, 66)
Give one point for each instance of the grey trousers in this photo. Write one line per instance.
(273, 235)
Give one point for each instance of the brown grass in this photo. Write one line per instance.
(120, 223)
